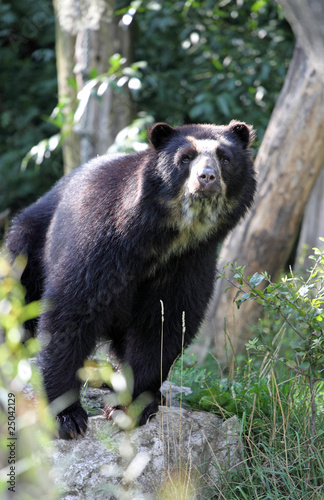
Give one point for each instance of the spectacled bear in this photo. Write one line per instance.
(119, 235)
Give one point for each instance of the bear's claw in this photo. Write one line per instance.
(72, 423)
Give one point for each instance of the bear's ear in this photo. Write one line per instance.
(160, 134)
(244, 132)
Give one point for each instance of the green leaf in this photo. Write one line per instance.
(258, 5)
(72, 82)
(256, 280)
(244, 297)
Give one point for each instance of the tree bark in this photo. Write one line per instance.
(289, 161)
(87, 34)
(313, 224)
(104, 117)
(67, 94)
(306, 18)
(307, 21)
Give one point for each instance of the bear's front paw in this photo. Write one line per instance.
(72, 422)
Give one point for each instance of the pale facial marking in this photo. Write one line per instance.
(197, 218)
(203, 146)
(206, 148)
(207, 145)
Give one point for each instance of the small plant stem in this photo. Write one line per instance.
(180, 424)
(313, 404)
(161, 374)
(284, 419)
(315, 266)
(161, 360)
(290, 324)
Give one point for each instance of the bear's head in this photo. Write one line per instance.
(206, 171)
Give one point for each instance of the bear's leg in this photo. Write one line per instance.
(132, 352)
(167, 316)
(70, 344)
(26, 239)
(143, 354)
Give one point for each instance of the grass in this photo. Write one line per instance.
(281, 460)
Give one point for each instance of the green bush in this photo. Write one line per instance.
(211, 61)
(28, 94)
(25, 424)
(277, 391)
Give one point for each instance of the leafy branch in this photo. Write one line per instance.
(300, 302)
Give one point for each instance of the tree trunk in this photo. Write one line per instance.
(306, 18)
(67, 94)
(289, 161)
(104, 117)
(88, 34)
(313, 224)
(307, 21)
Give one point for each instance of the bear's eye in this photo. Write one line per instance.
(185, 159)
(225, 160)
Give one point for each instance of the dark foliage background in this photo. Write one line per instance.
(205, 61)
(28, 94)
(212, 61)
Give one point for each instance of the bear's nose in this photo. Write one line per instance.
(206, 176)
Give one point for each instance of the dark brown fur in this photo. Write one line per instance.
(121, 234)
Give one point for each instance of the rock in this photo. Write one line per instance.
(96, 398)
(170, 392)
(176, 449)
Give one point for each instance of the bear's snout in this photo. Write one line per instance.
(207, 175)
